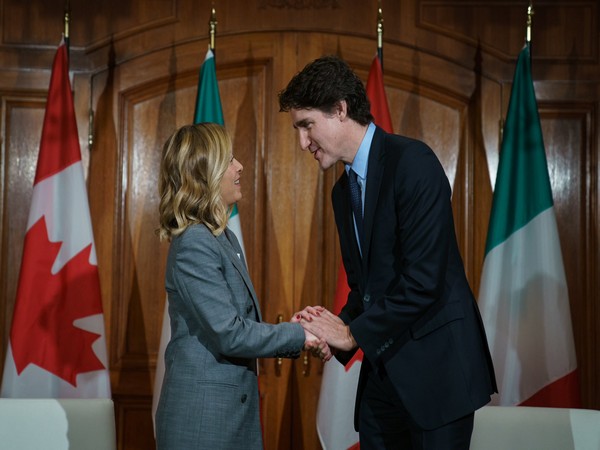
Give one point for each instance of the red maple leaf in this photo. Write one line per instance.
(42, 332)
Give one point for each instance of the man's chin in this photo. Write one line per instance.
(324, 164)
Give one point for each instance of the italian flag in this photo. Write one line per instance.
(523, 298)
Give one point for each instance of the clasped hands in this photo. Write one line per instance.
(325, 332)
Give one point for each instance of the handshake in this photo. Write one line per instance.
(325, 333)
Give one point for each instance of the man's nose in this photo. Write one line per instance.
(304, 140)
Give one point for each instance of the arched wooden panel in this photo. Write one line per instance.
(21, 113)
(566, 132)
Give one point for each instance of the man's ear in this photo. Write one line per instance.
(341, 110)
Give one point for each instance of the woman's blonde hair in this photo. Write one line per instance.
(194, 160)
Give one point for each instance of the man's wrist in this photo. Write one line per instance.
(351, 338)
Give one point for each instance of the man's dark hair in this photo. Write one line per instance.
(322, 84)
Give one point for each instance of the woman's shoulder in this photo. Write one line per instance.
(196, 233)
(195, 244)
(197, 229)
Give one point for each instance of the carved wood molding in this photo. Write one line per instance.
(299, 4)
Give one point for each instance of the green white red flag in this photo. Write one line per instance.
(523, 297)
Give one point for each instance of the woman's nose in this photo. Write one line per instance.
(239, 164)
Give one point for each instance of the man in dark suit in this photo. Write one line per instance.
(427, 366)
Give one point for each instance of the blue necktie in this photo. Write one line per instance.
(356, 199)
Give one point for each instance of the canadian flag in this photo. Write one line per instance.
(57, 346)
(335, 412)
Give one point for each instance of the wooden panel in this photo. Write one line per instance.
(475, 22)
(482, 137)
(566, 134)
(107, 18)
(134, 424)
(162, 105)
(280, 217)
(20, 146)
(103, 176)
(148, 120)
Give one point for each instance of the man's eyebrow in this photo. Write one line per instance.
(301, 123)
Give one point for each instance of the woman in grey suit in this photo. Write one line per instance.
(209, 398)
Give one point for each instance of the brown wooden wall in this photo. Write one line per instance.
(448, 68)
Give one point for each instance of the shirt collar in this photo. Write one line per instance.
(361, 160)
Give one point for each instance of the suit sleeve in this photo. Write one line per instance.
(214, 294)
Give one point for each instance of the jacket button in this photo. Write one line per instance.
(249, 309)
(244, 398)
(367, 298)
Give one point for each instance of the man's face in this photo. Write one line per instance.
(320, 133)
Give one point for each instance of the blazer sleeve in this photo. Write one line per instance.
(214, 294)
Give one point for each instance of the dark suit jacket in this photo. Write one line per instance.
(410, 307)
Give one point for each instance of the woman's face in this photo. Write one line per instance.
(231, 190)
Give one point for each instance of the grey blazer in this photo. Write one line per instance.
(209, 397)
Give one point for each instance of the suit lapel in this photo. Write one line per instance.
(374, 179)
(236, 256)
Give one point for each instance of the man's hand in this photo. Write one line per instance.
(329, 327)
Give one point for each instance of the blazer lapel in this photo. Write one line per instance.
(236, 256)
(374, 179)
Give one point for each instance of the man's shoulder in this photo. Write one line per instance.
(398, 141)
(396, 147)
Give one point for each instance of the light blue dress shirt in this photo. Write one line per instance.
(360, 166)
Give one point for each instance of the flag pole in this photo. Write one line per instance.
(380, 35)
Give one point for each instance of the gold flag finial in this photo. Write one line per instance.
(380, 34)
(213, 28)
(529, 20)
(379, 26)
(67, 18)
